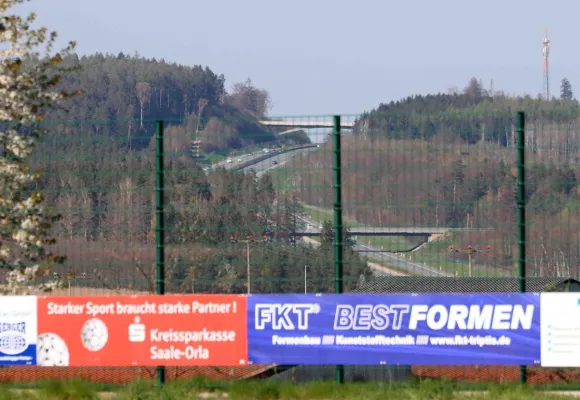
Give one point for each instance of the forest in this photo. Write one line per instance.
(107, 229)
(450, 160)
(123, 95)
(98, 164)
(460, 172)
(477, 116)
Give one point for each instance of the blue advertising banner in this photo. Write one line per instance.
(18, 330)
(353, 329)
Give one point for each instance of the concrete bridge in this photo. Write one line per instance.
(374, 231)
(307, 124)
(429, 234)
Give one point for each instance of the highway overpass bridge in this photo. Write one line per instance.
(305, 124)
(432, 233)
(428, 233)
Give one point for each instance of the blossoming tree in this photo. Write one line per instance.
(29, 87)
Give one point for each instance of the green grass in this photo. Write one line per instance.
(275, 390)
(436, 254)
(72, 389)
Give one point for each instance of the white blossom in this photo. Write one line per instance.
(27, 91)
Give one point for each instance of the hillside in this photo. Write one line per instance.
(123, 95)
(450, 161)
(476, 116)
(98, 164)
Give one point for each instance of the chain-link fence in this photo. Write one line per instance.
(429, 201)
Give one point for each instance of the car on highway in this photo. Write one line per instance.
(239, 160)
(229, 160)
(274, 162)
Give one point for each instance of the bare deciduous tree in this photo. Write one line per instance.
(201, 104)
(143, 94)
(247, 97)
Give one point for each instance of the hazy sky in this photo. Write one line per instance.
(336, 56)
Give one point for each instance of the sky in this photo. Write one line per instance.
(323, 57)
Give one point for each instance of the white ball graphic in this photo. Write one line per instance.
(51, 351)
(94, 334)
(12, 343)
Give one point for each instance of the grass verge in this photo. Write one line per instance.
(275, 390)
(436, 254)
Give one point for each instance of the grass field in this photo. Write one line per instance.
(436, 254)
(273, 390)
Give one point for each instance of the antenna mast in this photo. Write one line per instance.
(546, 54)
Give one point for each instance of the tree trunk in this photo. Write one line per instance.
(454, 193)
(129, 131)
(437, 209)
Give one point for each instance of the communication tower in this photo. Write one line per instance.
(546, 54)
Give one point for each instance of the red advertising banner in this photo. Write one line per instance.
(172, 330)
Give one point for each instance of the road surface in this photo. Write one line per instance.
(378, 270)
(237, 160)
(399, 262)
(263, 166)
(282, 159)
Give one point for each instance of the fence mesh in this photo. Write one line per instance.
(429, 205)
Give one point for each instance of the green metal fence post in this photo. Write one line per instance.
(338, 239)
(160, 226)
(521, 216)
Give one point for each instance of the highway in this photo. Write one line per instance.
(378, 270)
(264, 166)
(242, 158)
(399, 262)
(268, 165)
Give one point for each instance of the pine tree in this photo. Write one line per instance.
(566, 90)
